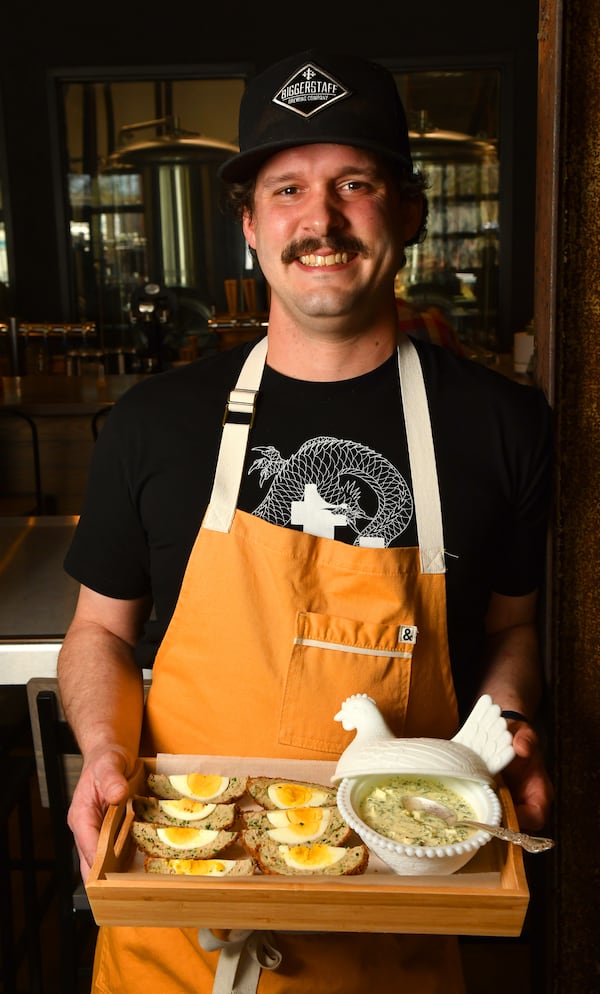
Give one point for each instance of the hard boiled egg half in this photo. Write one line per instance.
(297, 795)
(200, 786)
(315, 857)
(202, 867)
(298, 824)
(180, 837)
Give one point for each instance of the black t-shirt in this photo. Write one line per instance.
(331, 458)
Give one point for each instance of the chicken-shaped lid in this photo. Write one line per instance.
(480, 749)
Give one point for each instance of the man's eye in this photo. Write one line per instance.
(355, 184)
(288, 191)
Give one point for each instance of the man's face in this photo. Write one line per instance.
(329, 230)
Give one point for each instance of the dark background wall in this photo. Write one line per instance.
(575, 574)
(37, 42)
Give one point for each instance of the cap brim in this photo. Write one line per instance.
(245, 165)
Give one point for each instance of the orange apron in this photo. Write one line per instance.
(272, 630)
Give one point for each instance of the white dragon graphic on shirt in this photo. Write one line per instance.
(322, 485)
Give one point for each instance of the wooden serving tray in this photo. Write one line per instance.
(489, 896)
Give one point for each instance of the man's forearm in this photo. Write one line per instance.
(101, 690)
(513, 672)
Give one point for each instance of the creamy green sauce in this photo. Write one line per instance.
(382, 811)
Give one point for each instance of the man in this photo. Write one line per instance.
(361, 483)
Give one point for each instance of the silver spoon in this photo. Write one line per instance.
(531, 843)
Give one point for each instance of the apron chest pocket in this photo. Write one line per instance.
(335, 657)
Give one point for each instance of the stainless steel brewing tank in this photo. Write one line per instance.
(190, 241)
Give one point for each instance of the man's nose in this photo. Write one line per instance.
(323, 214)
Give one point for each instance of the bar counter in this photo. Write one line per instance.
(37, 597)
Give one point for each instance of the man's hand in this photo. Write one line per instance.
(527, 779)
(103, 781)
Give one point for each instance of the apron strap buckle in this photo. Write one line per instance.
(242, 403)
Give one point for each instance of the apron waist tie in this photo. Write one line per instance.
(241, 959)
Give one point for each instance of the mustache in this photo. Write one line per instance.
(337, 243)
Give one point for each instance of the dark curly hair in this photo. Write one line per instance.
(238, 198)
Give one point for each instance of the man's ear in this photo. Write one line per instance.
(413, 211)
(248, 229)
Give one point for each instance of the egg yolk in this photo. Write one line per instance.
(201, 867)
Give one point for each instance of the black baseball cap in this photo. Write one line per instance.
(318, 97)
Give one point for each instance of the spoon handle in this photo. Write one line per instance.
(531, 843)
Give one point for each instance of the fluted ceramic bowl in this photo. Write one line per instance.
(412, 860)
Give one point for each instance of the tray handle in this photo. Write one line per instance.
(512, 873)
(115, 834)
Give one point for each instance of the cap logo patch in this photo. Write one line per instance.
(310, 90)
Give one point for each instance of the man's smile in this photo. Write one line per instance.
(331, 250)
(324, 260)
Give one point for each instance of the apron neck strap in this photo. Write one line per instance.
(234, 442)
(421, 454)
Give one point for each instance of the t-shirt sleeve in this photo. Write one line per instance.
(109, 552)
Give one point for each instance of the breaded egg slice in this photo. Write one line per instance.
(183, 811)
(200, 786)
(295, 825)
(204, 787)
(278, 793)
(178, 841)
(304, 858)
(200, 867)
(315, 857)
